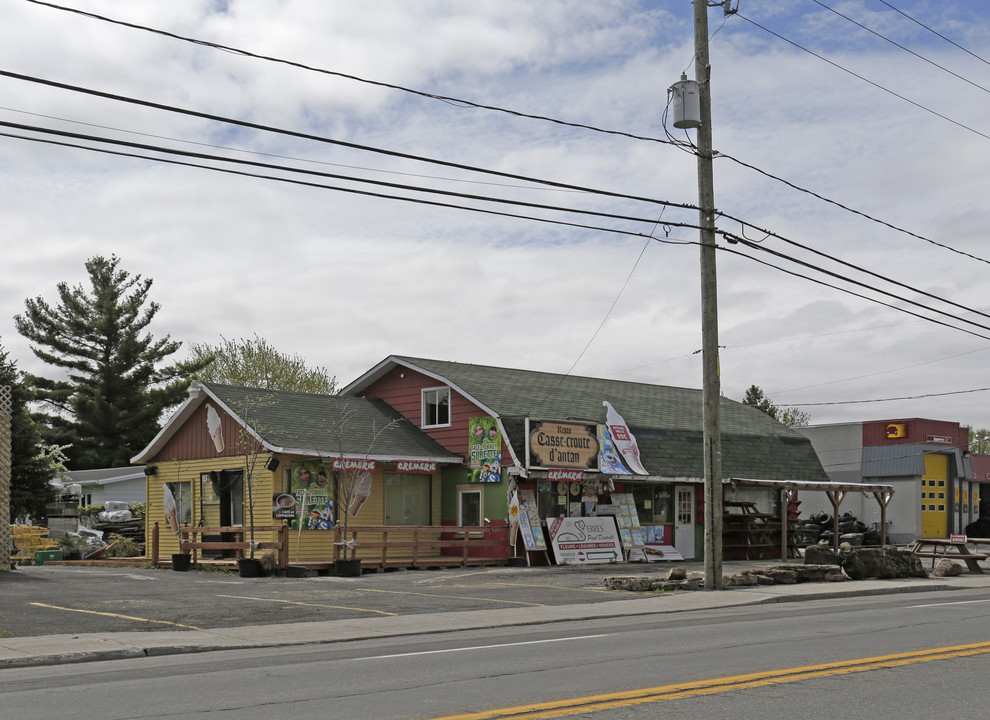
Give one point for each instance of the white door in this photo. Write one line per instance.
(684, 513)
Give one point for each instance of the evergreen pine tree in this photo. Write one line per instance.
(113, 385)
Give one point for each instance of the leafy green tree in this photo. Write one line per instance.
(29, 471)
(791, 417)
(255, 363)
(979, 441)
(113, 384)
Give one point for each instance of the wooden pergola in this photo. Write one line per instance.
(836, 493)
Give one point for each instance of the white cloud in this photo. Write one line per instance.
(346, 280)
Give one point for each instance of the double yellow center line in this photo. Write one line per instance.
(590, 703)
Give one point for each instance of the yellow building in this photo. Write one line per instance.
(235, 462)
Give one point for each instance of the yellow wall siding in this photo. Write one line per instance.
(207, 512)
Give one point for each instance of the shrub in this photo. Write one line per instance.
(126, 547)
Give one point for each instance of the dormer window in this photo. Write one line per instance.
(436, 407)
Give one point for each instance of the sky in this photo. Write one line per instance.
(852, 136)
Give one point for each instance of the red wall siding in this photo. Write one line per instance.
(919, 430)
(192, 441)
(405, 395)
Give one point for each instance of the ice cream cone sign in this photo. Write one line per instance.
(214, 427)
(513, 518)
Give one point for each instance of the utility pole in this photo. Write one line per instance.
(709, 307)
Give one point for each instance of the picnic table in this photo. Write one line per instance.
(936, 548)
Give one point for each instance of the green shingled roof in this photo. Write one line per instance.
(667, 421)
(328, 424)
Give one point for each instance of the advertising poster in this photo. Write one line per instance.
(529, 522)
(584, 541)
(484, 450)
(311, 490)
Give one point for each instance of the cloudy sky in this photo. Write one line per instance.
(880, 109)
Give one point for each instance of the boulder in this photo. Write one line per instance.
(947, 568)
(882, 563)
(822, 555)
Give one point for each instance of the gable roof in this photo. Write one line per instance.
(311, 425)
(667, 421)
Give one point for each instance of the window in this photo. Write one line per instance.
(182, 494)
(470, 506)
(407, 499)
(436, 407)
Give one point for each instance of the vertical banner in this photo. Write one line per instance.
(484, 450)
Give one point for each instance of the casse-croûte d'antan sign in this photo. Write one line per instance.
(563, 445)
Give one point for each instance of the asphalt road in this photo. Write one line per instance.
(54, 599)
(886, 657)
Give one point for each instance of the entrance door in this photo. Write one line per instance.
(684, 514)
(231, 491)
(934, 497)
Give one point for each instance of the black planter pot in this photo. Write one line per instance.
(249, 567)
(347, 568)
(181, 561)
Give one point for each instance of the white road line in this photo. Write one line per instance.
(484, 647)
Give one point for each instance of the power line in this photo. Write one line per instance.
(432, 96)
(851, 210)
(323, 139)
(934, 32)
(857, 268)
(891, 399)
(877, 85)
(851, 292)
(732, 238)
(355, 191)
(905, 49)
(468, 103)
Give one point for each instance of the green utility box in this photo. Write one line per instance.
(40, 556)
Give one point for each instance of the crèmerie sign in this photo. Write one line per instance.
(563, 445)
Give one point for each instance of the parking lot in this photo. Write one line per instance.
(55, 599)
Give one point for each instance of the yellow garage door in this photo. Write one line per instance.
(934, 498)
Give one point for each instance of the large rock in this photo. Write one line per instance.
(947, 568)
(881, 563)
(822, 555)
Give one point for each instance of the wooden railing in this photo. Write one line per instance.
(188, 544)
(421, 545)
(377, 546)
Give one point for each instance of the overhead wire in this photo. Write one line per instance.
(902, 47)
(935, 32)
(354, 190)
(532, 180)
(468, 103)
(302, 66)
(875, 84)
(323, 139)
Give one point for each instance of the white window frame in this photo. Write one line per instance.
(423, 404)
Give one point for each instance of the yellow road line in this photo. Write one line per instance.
(642, 696)
(117, 615)
(293, 602)
(450, 597)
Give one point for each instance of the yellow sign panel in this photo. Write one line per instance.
(896, 430)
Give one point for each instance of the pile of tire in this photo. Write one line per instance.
(821, 526)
